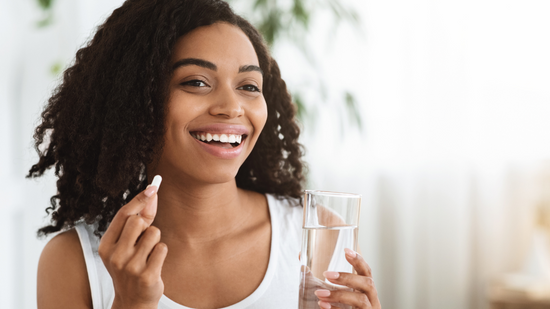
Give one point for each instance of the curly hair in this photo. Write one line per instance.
(105, 122)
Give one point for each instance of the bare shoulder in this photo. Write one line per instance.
(62, 280)
(254, 199)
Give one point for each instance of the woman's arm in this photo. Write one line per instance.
(62, 277)
(130, 249)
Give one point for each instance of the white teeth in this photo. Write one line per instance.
(223, 138)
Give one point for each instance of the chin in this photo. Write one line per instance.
(215, 175)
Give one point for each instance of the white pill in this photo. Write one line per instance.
(156, 181)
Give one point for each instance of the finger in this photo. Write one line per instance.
(136, 205)
(134, 227)
(355, 299)
(359, 283)
(123, 250)
(356, 282)
(156, 259)
(144, 247)
(363, 269)
(325, 305)
(146, 243)
(150, 210)
(358, 263)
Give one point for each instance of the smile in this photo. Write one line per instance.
(222, 140)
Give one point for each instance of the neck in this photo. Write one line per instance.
(198, 213)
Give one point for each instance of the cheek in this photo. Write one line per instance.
(182, 110)
(259, 117)
(179, 114)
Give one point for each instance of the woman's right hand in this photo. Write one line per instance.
(133, 254)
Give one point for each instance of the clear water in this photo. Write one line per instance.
(323, 249)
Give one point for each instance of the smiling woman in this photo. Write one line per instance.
(216, 91)
(187, 90)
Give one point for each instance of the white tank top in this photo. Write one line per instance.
(279, 288)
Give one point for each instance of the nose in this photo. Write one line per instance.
(227, 104)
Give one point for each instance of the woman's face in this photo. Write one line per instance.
(216, 109)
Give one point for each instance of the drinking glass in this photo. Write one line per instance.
(330, 224)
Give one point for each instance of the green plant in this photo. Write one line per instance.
(47, 9)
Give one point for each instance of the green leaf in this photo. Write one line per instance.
(342, 13)
(47, 8)
(46, 21)
(45, 4)
(300, 13)
(271, 27)
(260, 3)
(353, 111)
(56, 68)
(301, 110)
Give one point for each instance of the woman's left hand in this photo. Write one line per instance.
(364, 293)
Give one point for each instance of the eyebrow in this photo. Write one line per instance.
(209, 65)
(250, 68)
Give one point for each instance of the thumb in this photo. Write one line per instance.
(150, 210)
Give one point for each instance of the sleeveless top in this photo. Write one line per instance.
(278, 289)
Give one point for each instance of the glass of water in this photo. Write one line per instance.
(330, 224)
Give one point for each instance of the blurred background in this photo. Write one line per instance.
(437, 112)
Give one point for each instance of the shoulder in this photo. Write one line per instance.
(62, 280)
(284, 201)
(286, 211)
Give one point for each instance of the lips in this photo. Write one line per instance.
(213, 138)
(221, 140)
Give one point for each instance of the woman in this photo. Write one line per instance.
(185, 89)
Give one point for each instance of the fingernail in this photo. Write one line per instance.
(322, 293)
(331, 274)
(150, 191)
(324, 305)
(350, 253)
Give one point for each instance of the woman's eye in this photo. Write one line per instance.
(195, 83)
(250, 88)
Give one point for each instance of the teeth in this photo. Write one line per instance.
(223, 138)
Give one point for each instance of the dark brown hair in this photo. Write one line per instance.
(105, 122)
